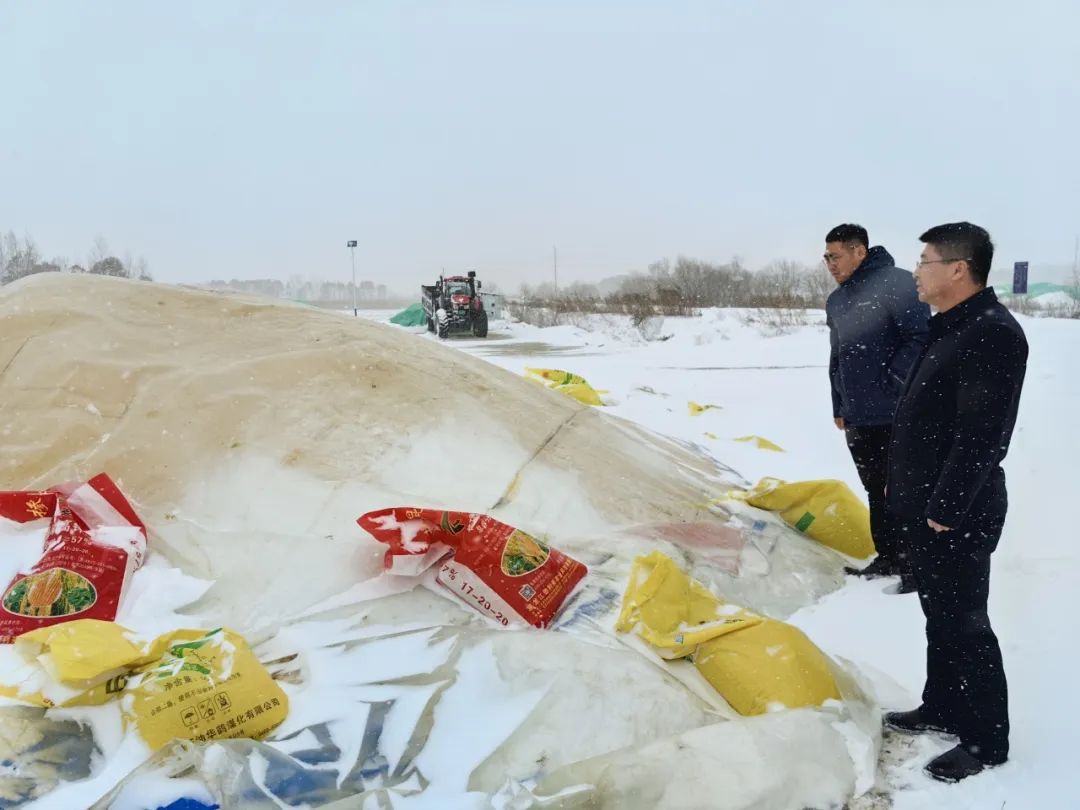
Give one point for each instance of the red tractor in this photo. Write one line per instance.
(453, 305)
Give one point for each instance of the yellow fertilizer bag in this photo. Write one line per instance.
(761, 443)
(204, 689)
(696, 409)
(566, 383)
(187, 684)
(80, 663)
(556, 376)
(757, 664)
(582, 392)
(826, 510)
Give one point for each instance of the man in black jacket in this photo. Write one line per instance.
(877, 327)
(951, 431)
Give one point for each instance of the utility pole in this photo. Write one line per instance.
(351, 245)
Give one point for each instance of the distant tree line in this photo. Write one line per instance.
(21, 257)
(679, 287)
(777, 295)
(301, 289)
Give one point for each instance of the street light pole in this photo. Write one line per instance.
(351, 245)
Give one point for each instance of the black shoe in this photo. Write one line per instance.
(881, 567)
(959, 763)
(914, 722)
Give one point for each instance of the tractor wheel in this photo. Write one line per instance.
(444, 330)
(480, 325)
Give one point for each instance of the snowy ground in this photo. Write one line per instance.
(775, 386)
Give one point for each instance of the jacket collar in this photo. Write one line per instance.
(950, 319)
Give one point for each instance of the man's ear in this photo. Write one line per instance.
(860, 252)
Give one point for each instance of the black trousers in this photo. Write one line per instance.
(965, 688)
(869, 447)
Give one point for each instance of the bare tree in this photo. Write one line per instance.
(30, 255)
(778, 285)
(660, 270)
(638, 284)
(579, 290)
(691, 278)
(99, 251)
(818, 285)
(44, 267)
(109, 266)
(8, 246)
(19, 258)
(705, 284)
(544, 292)
(1073, 309)
(140, 269)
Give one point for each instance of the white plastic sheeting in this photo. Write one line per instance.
(250, 436)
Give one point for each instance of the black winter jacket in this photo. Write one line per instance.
(877, 327)
(955, 418)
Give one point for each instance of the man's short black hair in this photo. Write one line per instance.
(849, 235)
(962, 240)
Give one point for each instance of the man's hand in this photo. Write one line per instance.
(937, 527)
(839, 422)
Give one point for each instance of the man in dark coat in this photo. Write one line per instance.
(951, 431)
(877, 328)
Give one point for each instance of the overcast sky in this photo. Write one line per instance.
(229, 139)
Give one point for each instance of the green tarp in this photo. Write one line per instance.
(412, 315)
(1039, 288)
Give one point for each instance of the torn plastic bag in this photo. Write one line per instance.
(253, 776)
(37, 753)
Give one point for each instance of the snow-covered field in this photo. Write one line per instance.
(776, 386)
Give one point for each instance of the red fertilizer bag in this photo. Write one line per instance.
(502, 572)
(73, 550)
